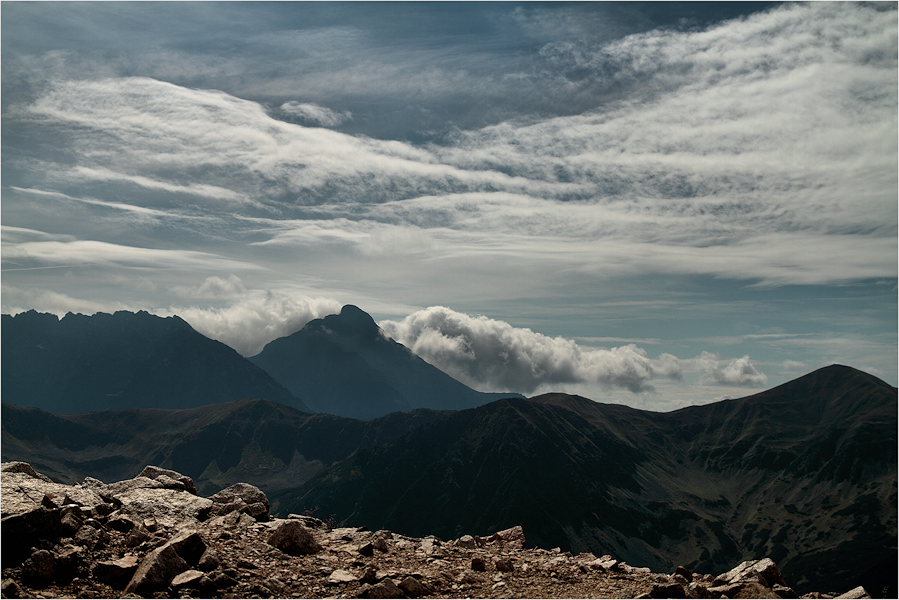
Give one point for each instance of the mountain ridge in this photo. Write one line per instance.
(344, 364)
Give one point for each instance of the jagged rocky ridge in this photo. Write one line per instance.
(153, 536)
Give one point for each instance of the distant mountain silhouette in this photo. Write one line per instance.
(344, 365)
(805, 473)
(125, 360)
(274, 446)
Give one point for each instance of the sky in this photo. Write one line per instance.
(655, 204)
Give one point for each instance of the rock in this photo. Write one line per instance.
(156, 571)
(277, 587)
(36, 527)
(469, 576)
(466, 541)
(116, 573)
(667, 590)
(39, 570)
(242, 497)
(216, 580)
(478, 564)
(170, 478)
(366, 549)
(10, 589)
(504, 565)
(858, 592)
(189, 578)
(171, 508)
(684, 572)
(24, 468)
(339, 576)
(292, 538)
(697, 590)
(160, 566)
(763, 571)
(369, 575)
(383, 589)
(379, 541)
(784, 591)
(413, 588)
(209, 561)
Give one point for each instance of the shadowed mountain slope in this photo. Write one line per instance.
(125, 360)
(274, 446)
(804, 473)
(344, 365)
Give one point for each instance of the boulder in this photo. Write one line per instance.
(763, 571)
(171, 508)
(169, 478)
(339, 576)
(39, 569)
(241, 497)
(467, 541)
(511, 539)
(156, 571)
(116, 573)
(36, 527)
(292, 538)
(23, 489)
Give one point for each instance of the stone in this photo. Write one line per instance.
(156, 571)
(466, 541)
(413, 588)
(478, 564)
(24, 468)
(209, 561)
(366, 549)
(697, 590)
(292, 538)
(859, 592)
(504, 565)
(763, 571)
(189, 546)
(39, 570)
(339, 576)
(370, 575)
(684, 572)
(10, 589)
(189, 578)
(385, 588)
(69, 524)
(116, 573)
(667, 590)
(379, 541)
(468, 576)
(784, 591)
(36, 527)
(250, 498)
(169, 478)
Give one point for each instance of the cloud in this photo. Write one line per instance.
(737, 371)
(490, 354)
(314, 114)
(250, 323)
(212, 287)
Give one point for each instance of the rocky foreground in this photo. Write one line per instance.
(153, 537)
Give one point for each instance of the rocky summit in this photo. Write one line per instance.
(152, 536)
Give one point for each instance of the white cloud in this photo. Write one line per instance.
(250, 323)
(212, 287)
(737, 371)
(489, 354)
(315, 114)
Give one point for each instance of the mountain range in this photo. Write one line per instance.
(342, 365)
(805, 473)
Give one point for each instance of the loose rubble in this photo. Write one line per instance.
(153, 537)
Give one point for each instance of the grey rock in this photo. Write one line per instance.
(339, 576)
(763, 571)
(292, 538)
(467, 541)
(243, 497)
(169, 477)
